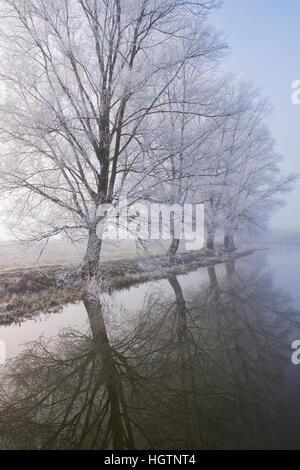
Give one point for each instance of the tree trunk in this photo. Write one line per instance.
(90, 264)
(230, 268)
(228, 241)
(173, 247)
(210, 240)
(214, 284)
(180, 302)
(181, 316)
(104, 353)
(210, 232)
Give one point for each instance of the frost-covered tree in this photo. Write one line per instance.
(182, 149)
(84, 79)
(249, 184)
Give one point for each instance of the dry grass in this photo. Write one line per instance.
(17, 308)
(19, 303)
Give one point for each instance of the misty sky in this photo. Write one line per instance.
(264, 36)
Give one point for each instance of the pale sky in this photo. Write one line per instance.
(264, 36)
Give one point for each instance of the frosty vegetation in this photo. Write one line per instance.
(104, 99)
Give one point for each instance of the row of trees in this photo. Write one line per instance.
(104, 99)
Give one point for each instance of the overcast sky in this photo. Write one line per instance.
(264, 36)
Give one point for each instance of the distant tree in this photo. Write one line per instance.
(249, 185)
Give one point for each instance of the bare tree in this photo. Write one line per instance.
(83, 79)
(249, 184)
(182, 149)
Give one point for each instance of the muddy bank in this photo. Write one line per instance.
(27, 292)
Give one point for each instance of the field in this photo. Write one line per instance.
(60, 253)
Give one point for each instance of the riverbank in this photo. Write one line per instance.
(26, 292)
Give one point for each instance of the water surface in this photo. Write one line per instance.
(200, 361)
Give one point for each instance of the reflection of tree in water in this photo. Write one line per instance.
(234, 360)
(196, 373)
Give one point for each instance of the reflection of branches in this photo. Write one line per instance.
(68, 395)
(196, 372)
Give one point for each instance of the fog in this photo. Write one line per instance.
(265, 47)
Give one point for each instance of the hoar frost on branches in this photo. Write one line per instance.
(84, 79)
(105, 99)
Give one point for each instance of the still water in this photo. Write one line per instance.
(201, 361)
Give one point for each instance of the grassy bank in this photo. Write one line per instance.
(26, 292)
